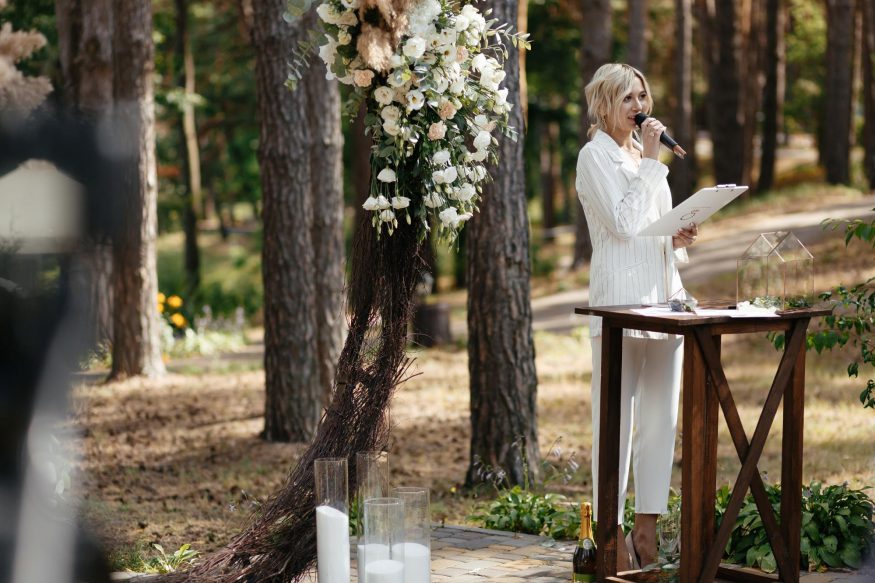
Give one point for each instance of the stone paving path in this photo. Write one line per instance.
(464, 554)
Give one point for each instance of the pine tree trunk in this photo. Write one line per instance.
(293, 403)
(501, 357)
(638, 34)
(326, 167)
(773, 95)
(136, 348)
(683, 172)
(546, 162)
(188, 140)
(869, 92)
(85, 50)
(595, 51)
(751, 64)
(725, 111)
(839, 91)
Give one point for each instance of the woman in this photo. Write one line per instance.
(622, 187)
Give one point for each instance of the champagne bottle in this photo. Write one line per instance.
(584, 555)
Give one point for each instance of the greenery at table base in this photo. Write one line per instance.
(837, 526)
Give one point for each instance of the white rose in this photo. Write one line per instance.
(390, 113)
(386, 175)
(441, 157)
(415, 100)
(400, 202)
(391, 127)
(343, 37)
(370, 204)
(363, 77)
(384, 95)
(482, 141)
(414, 48)
(328, 51)
(387, 216)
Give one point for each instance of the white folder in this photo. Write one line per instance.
(695, 209)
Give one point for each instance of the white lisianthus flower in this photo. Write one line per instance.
(479, 155)
(450, 217)
(363, 77)
(440, 84)
(383, 95)
(465, 192)
(441, 157)
(437, 131)
(457, 87)
(396, 60)
(370, 204)
(383, 202)
(400, 202)
(343, 37)
(350, 4)
(387, 216)
(415, 100)
(438, 177)
(479, 172)
(433, 200)
(477, 22)
(386, 175)
(328, 51)
(390, 113)
(484, 123)
(414, 48)
(478, 62)
(327, 13)
(450, 174)
(482, 141)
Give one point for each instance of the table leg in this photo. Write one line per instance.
(791, 459)
(698, 479)
(609, 451)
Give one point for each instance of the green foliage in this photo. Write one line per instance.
(837, 528)
(521, 510)
(854, 314)
(164, 563)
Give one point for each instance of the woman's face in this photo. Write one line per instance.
(633, 102)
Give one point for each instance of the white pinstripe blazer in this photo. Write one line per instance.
(619, 199)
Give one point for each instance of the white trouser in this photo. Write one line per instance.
(651, 375)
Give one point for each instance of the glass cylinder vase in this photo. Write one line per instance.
(417, 533)
(383, 555)
(372, 481)
(331, 496)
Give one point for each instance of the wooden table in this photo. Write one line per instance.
(704, 390)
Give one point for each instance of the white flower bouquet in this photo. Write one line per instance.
(430, 74)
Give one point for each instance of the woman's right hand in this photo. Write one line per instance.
(651, 129)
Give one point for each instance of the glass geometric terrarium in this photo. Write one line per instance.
(775, 272)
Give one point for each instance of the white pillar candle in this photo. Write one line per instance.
(332, 545)
(417, 562)
(385, 571)
(371, 552)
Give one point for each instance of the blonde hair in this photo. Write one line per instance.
(605, 92)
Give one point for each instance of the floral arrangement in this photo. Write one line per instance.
(430, 74)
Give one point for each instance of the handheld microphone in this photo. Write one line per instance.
(664, 138)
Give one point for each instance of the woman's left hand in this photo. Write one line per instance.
(685, 237)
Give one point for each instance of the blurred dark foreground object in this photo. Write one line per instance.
(56, 193)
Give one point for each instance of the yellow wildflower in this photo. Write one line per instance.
(174, 301)
(161, 298)
(178, 320)
(160, 308)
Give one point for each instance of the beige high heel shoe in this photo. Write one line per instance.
(633, 554)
